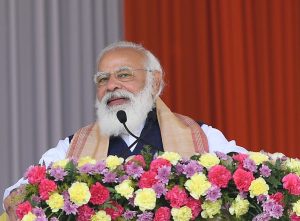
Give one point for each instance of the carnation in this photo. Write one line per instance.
(99, 194)
(219, 176)
(243, 179)
(46, 187)
(177, 197)
(145, 199)
(182, 214)
(291, 182)
(197, 185)
(23, 209)
(209, 160)
(158, 163)
(79, 193)
(35, 174)
(162, 214)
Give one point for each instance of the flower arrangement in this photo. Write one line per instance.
(253, 186)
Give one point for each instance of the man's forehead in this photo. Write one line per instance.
(124, 57)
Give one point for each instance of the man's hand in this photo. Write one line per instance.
(12, 200)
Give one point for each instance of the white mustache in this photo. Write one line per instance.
(117, 94)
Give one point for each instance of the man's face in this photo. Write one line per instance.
(114, 61)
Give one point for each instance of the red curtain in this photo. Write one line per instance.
(233, 64)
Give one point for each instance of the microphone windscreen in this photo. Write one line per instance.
(122, 117)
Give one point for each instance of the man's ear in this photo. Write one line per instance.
(157, 78)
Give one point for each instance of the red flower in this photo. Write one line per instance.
(219, 176)
(242, 179)
(162, 214)
(278, 197)
(46, 186)
(23, 209)
(177, 197)
(115, 211)
(85, 213)
(138, 159)
(158, 163)
(99, 194)
(294, 217)
(35, 174)
(291, 182)
(147, 180)
(195, 206)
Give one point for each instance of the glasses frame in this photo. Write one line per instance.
(116, 72)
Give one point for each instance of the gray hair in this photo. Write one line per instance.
(152, 63)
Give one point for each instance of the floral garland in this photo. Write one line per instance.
(254, 186)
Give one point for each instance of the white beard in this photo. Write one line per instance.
(136, 109)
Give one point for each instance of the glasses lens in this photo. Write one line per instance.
(101, 78)
(124, 75)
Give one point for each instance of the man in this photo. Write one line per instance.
(130, 78)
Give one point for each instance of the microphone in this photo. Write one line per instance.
(122, 117)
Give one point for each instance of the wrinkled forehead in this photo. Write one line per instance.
(121, 57)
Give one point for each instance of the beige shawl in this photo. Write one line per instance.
(179, 134)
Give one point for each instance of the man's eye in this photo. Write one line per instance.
(124, 74)
(102, 80)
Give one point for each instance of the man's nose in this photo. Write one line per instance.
(113, 84)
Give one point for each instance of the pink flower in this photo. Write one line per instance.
(115, 211)
(195, 206)
(99, 194)
(240, 158)
(219, 176)
(294, 217)
(177, 197)
(158, 163)
(85, 213)
(291, 182)
(242, 179)
(23, 209)
(162, 214)
(138, 159)
(35, 174)
(46, 187)
(278, 197)
(147, 180)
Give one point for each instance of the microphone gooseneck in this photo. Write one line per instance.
(122, 117)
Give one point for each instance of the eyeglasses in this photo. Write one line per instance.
(122, 74)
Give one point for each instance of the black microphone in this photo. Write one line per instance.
(122, 117)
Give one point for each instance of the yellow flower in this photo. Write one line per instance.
(171, 156)
(296, 208)
(29, 217)
(182, 214)
(258, 187)
(239, 206)
(293, 165)
(258, 157)
(208, 160)
(211, 208)
(86, 160)
(197, 185)
(145, 199)
(125, 189)
(113, 161)
(79, 193)
(56, 202)
(101, 216)
(60, 163)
